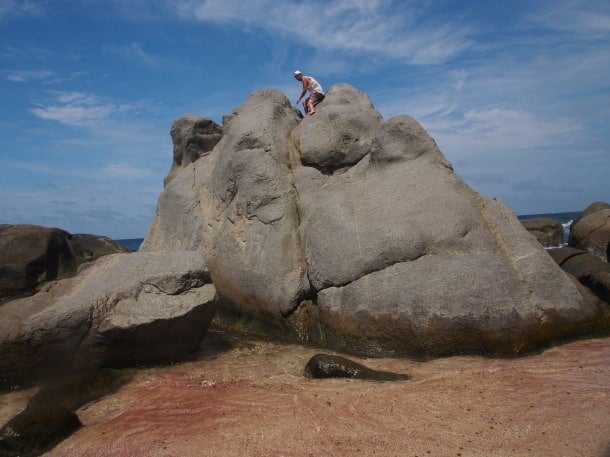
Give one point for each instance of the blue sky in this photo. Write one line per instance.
(516, 93)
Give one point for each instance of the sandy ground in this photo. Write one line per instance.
(249, 398)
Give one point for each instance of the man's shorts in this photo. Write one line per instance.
(316, 97)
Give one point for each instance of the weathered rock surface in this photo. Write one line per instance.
(588, 269)
(548, 231)
(123, 309)
(31, 255)
(591, 231)
(346, 231)
(193, 137)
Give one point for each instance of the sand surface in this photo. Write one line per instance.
(249, 398)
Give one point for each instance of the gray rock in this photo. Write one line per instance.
(237, 206)
(591, 231)
(548, 231)
(362, 238)
(340, 133)
(122, 309)
(193, 137)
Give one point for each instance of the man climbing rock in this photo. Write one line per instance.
(316, 94)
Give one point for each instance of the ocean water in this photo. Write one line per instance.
(566, 220)
(133, 244)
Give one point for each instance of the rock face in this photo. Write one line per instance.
(548, 231)
(591, 231)
(123, 309)
(193, 137)
(31, 255)
(349, 232)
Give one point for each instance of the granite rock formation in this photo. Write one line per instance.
(347, 231)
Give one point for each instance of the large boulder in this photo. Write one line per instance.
(32, 254)
(349, 232)
(591, 231)
(122, 309)
(548, 231)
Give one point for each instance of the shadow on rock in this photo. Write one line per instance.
(334, 366)
(49, 417)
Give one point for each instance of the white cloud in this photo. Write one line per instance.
(377, 27)
(78, 109)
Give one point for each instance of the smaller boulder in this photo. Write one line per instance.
(548, 231)
(123, 309)
(193, 137)
(334, 366)
(591, 231)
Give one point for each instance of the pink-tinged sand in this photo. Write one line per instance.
(252, 400)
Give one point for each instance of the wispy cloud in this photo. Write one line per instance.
(22, 76)
(125, 171)
(44, 76)
(78, 108)
(585, 18)
(374, 26)
(16, 8)
(132, 52)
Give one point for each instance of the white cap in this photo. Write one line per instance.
(297, 73)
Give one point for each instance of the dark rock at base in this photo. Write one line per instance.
(74, 390)
(587, 268)
(548, 231)
(334, 366)
(48, 417)
(35, 431)
(560, 255)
